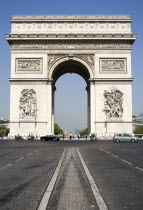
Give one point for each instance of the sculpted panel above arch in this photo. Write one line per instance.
(88, 58)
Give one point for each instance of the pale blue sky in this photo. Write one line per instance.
(70, 117)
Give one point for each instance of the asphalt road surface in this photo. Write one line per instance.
(71, 175)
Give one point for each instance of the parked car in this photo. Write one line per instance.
(125, 137)
(50, 137)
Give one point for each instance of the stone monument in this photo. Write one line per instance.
(43, 48)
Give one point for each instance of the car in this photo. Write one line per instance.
(50, 137)
(125, 137)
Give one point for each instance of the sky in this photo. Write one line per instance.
(71, 98)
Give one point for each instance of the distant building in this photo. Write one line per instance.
(138, 119)
(77, 131)
(4, 122)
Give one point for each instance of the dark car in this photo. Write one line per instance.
(50, 137)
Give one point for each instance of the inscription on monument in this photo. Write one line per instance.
(113, 103)
(112, 65)
(28, 104)
(28, 65)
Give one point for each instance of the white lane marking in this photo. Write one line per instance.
(123, 160)
(19, 159)
(9, 151)
(5, 166)
(29, 154)
(139, 168)
(45, 199)
(115, 156)
(107, 152)
(97, 195)
(126, 162)
(36, 150)
(101, 149)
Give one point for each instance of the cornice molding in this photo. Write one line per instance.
(71, 17)
(70, 36)
(111, 81)
(33, 81)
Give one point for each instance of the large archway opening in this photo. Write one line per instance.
(71, 72)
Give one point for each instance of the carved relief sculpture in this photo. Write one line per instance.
(113, 103)
(89, 58)
(28, 65)
(28, 104)
(113, 65)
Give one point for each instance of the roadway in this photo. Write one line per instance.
(92, 175)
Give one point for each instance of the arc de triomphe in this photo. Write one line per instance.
(43, 48)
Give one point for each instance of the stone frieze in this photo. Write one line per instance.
(70, 46)
(28, 65)
(113, 65)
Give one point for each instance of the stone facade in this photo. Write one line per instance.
(45, 47)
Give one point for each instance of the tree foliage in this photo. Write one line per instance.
(4, 130)
(57, 129)
(138, 129)
(84, 132)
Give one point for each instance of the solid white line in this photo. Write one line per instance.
(5, 166)
(29, 154)
(139, 168)
(115, 156)
(126, 162)
(97, 195)
(45, 200)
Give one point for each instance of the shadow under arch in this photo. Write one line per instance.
(67, 65)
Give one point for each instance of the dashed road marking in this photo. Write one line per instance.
(45, 199)
(121, 159)
(139, 168)
(96, 193)
(36, 150)
(29, 154)
(9, 151)
(126, 162)
(115, 156)
(107, 152)
(19, 159)
(5, 166)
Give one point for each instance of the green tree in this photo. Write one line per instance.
(57, 129)
(4, 130)
(138, 129)
(84, 132)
